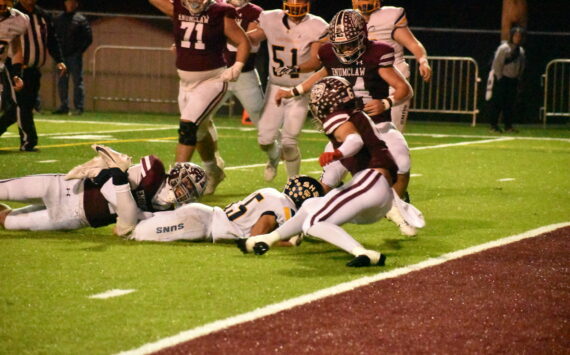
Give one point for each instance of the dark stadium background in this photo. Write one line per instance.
(548, 32)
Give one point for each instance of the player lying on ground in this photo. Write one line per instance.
(105, 190)
(260, 212)
(364, 199)
(369, 67)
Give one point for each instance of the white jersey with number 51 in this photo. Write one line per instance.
(289, 43)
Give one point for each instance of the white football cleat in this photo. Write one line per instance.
(395, 216)
(270, 171)
(90, 169)
(214, 178)
(112, 158)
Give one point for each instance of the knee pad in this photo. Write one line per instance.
(290, 152)
(187, 133)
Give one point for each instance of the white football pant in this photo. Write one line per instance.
(400, 113)
(60, 202)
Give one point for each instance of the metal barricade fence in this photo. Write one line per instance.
(452, 88)
(131, 78)
(556, 82)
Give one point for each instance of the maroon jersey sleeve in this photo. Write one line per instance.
(245, 15)
(153, 175)
(200, 40)
(96, 206)
(374, 153)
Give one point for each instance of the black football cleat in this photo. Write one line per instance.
(260, 248)
(382, 260)
(241, 245)
(359, 261)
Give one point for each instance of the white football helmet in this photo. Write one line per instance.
(296, 8)
(366, 6)
(348, 35)
(196, 6)
(188, 182)
(238, 3)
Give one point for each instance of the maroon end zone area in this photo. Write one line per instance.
(510, 299)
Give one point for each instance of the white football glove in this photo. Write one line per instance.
(232, 73)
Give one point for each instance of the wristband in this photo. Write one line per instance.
(386, 103)
(298, 90)
(423, 60)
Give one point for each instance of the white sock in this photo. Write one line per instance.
(335, 235)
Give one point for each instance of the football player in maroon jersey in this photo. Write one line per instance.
(247, 89)
(366, 198)
(368, 66)
(201, 31)
(105, 190)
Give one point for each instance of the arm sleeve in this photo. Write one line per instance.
(127, 210)
(351, 145)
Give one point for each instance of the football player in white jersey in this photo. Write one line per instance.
(13, 24)
(259, 213)
(105, 190)
(389, 24)
(292, 36)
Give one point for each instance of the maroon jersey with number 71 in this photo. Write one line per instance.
(200, 39)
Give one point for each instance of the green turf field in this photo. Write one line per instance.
(472, 186)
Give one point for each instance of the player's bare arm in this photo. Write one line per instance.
(305, 86)
(237, 36)
(255, 34)
(403, 91)
(265, 224)
(406, 38)
(164, 6)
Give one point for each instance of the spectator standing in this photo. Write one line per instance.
(39, 39)
(74, 32)
(504, 79)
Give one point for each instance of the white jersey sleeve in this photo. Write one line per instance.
(382, 24)
(268, 201)
(289, 43)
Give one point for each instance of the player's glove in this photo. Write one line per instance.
(232, 73)
(329, 157)
(288, 70)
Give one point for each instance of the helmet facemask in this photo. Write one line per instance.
(187, 181)
(347, 34)
(366, 7)
(296, 8)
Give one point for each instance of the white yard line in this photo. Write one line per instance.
(344, 287)
(111, 293)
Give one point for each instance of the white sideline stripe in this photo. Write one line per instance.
(47, 161)
(344, 287)
(507, 179)
(111, 293)
(87, 137)
(416, 175)
(415, 148)
(101, 122)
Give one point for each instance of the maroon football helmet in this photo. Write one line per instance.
(347, 33)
